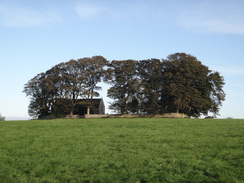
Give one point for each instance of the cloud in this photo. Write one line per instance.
(14, 15)
(233, 71)
(88, 10)
(229, 70)
(214, 16)
(120, 10)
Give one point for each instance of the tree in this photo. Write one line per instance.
(190, 87)
(47, 91)
(122, 77)
(93, 71)
(150, 74)
(179, 84)
(2, 118)
(56, 91)
(217, 94)
(69, 86)
(37, 90)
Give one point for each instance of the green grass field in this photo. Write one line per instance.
(122, 150)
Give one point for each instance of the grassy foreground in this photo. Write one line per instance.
(122, 150)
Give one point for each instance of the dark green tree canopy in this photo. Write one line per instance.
(122, 77)
(178, 84)
(150, 77)
(190, 87)
(56, 91)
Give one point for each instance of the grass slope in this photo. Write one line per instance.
(122, 150)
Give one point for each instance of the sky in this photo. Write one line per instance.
(36, 35)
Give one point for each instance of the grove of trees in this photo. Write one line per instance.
(180, 83)
(55, 92)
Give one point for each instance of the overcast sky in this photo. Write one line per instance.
(36, 35)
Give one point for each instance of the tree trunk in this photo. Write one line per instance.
(88, 110)
(71, 113)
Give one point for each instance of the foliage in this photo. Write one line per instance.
(2, 118)
(122, 150)
(124, 85)
(93, 71)
(40, 103)
(56, 91)
(178, 84)
(150, 76)
(190, 87)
